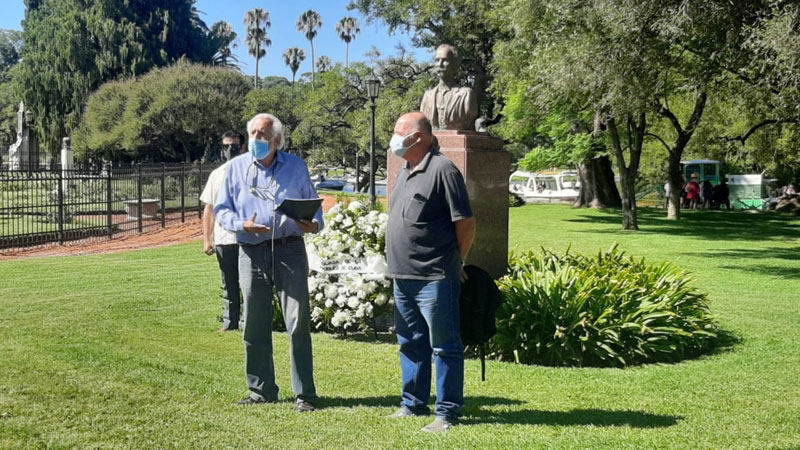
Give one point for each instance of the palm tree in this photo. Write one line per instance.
(324, 64)
(257, 22)
(307, 24)
(223, 39)
(293, 56)
(347, 29)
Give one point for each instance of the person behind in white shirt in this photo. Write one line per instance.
(218, 240)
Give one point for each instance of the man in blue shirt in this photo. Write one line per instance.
(272, 254)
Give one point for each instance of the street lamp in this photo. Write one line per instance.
(373, 90)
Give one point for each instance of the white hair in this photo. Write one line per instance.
(277, 127)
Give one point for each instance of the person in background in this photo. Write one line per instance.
(706, 193)
(430, 232)
(721, 194)
(219, 241)
(272, 254)
(693, 192)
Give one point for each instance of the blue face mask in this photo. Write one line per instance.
(258, 148)
(396, 144)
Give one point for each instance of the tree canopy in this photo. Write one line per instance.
(71, 47)
(171, 114)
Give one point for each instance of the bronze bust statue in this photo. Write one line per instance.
(448, 106)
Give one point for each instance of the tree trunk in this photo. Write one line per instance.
(628, 172)
(629, 213)
(347, 55)
(313, 74)
(258, 52)
(676, 151)
(598, 189)
(675, 186)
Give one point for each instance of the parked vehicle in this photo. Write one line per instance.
(545, 187)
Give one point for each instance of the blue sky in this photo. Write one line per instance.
(283, 32)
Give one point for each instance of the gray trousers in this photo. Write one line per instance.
(228, 259)
(291, 282)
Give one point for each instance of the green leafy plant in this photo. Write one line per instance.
(603, 310)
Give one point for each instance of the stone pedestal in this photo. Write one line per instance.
(485, 166)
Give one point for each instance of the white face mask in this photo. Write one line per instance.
(396, 144)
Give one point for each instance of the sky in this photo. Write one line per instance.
(284, 34)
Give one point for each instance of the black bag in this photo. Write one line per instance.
(478, 304)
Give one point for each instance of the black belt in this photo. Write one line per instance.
(278, 241)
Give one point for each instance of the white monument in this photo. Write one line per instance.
(24, 153)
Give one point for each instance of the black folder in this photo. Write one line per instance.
(300, 208)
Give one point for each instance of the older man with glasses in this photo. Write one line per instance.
(272, 254)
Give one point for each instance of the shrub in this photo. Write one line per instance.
(602, 310)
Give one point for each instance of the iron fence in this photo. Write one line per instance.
(44, 206)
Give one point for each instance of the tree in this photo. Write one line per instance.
(324, 64)
(308, 23)
(10, 43)
(71, 47)
(257, 22)
(281, 101)
(347, 29)
(223, 37)
(170, 114)
(293, 56)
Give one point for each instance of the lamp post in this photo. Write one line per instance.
(373, 90)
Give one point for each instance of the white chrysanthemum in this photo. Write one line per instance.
(341, 300)
(370, 287)
(331, 291)
(319, 296)
(328, 303)
(381, 299)
(355, 206)
(368, 309)
(347, 222)
(339, 319)
(359, 313)
(361, 294)
(353, 302)
(316, 312)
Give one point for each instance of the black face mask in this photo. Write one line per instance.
(229, 151)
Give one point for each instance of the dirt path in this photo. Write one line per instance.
(178, 233)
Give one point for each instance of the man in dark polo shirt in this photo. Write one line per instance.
(430, 231)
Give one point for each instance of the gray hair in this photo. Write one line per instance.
(277, 127)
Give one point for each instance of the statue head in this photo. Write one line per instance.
(445, 63)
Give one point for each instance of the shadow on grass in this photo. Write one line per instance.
(711, 225)
(389, 401)
(786, 254)
(367, 336)
(594, 417)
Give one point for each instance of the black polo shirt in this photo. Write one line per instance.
(421, 239)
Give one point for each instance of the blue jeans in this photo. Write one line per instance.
(427, 321)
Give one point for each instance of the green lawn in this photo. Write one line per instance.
(118, 351)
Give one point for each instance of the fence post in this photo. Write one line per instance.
(60, 207)
(163, 195)
(183, 192)
(139, 196)
(199, 190)
(109, 197)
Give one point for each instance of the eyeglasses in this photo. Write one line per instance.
(264, 193)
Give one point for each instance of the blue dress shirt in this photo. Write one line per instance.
(249, 188)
